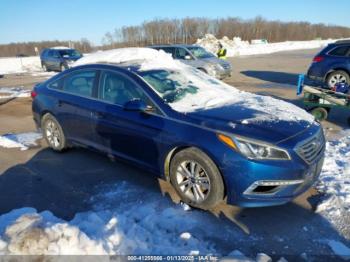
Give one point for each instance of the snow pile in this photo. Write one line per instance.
(31, 233)
(148, 58)
(209, 93)
(60, 47)
(22, 141)
(151, 227)
(335, 178)
(16, 65)
(13, 92)
(237, 47)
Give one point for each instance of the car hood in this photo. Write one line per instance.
(71, 58)
(238, 120)
(215, 60)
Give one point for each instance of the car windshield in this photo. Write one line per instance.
(170, 85)
(178, 86)
(69, 53)
(200, 52)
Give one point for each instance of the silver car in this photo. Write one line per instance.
(198, 57)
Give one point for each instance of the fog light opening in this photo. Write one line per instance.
(265, 189)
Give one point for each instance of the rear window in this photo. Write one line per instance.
(340, 51)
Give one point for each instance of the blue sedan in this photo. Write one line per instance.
(209, 140)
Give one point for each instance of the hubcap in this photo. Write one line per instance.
(335, 79)
(53, 134)
(193, 181)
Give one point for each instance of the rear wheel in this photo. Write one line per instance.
(320, 113)
(338, 76)
(196, 179)
(53, 133)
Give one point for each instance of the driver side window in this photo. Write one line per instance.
(117, 89)
(181, 53)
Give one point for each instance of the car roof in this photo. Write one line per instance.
(173, 45)
(133, 66)
(340, 42)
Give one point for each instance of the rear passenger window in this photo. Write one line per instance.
(340, 51)
(80, 83)
(117, 89)
(56, 84)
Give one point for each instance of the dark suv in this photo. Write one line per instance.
(58, 59)
(332, 64)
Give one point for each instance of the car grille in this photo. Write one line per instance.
(310, 148)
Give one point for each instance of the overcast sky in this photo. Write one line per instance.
(35, 20)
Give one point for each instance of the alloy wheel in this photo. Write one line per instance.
(193, 181)
(337, 78)
(53, 134)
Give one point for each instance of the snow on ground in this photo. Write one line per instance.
(16, 65)
(149, 225)
(22, 141)
(237, 47)
(13, 92)
(335, 182)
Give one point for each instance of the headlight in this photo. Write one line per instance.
(255, 149)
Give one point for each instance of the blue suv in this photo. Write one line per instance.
(58, 59)
(167, 119)
(332, 64)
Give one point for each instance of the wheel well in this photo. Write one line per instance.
(43, 114)
(173, 152)
(337, 69)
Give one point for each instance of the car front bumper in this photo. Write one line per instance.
(256, 183)
(267, 185)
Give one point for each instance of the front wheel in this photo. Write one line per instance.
(44, 67)
(338, 76)
(53, 133)
(62, 67)
(196, 179)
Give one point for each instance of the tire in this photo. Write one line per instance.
(201, 185)
(53, 133)
(62, 67)
(320, 113)
(44, 67)
(338, 76)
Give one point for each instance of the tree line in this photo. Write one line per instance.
(28, 48)
(188, 30)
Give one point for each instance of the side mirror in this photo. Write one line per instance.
(188, 57)
(137, 105)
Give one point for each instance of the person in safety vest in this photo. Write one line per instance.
(221, 52)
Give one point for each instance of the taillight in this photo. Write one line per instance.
(318, 59)
(33, 94)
